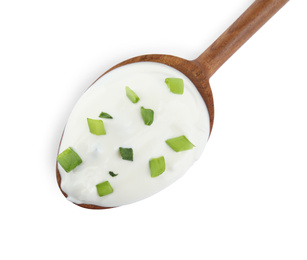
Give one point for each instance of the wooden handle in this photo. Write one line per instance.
(238, 33)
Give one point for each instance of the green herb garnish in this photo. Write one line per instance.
(180, 143)
(105, 115)
(113, 174)
(126, 153)
(175, 85)
(131, 95)
(157, 166)
(69, 159)
(104, 188)
(96, 126)
(147, 115)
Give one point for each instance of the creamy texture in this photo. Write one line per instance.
(174, 115)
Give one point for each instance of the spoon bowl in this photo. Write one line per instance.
(202, 68)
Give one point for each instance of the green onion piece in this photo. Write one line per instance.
(126, 153)
(96, 126)
(180, 143)
(131, 95)
(157, 166)
(148, 115)
(69, 159)
(105, 115)
(104, 188)
(175, 85)
(113, 174)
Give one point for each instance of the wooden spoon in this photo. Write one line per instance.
(201, 69)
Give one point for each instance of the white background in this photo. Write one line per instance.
(246, 198)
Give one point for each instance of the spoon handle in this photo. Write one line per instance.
(238, 33)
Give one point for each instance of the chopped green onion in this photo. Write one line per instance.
(113, 174)
(157, 166)
(126, 153)
(96, 126)
(104, 188)
(131, 95)
(180, 143)
(175, 85)
(105, 115)
(148, 115)
(69, 159)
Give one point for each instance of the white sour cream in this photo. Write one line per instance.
(174, 115)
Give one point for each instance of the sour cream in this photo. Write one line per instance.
(174, 115)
